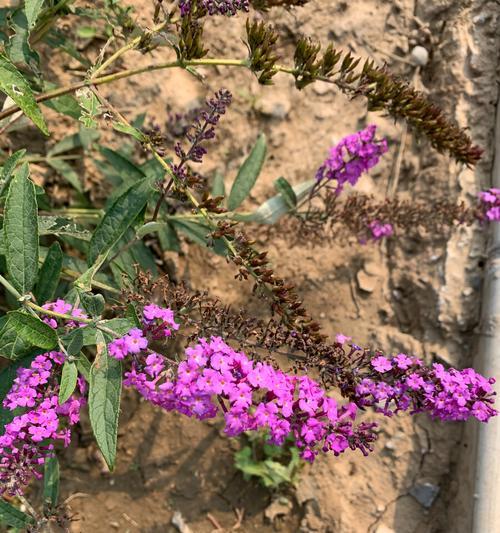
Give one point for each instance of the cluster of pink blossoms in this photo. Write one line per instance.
(351, 157)
(490, 202)
(402, 382)
(380, 230)
(23, 445)
(252, 396)
(60, 306)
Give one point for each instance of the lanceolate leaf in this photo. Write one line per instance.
(69, 377)
(49, 274)
(33, 330)
(8, 169)
(218, 187)
(13, 517)
(32, 9)
(248, 174)
(21, 231)
(51, 481)
(13, 84)
(118, 219)
(104, 400)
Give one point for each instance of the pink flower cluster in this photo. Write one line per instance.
(24, 446)
(60, 306)
(380, 230)
(353, 155)
(158, 323)
(402, 382)
(252, 396)
(490, 202)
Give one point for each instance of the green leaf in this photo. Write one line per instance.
(218, 187)
(13, 84)
(32, 9)
(84, 366)
(65, 104)
(12, 346)
(33, 330)
(104, 400)
(8, 169)
(21, 231)
(76, 343)
(19, 48)
(93, 304)
(169, 239)
(248, 173)
(90, 107)
(127, 170)
(50, 273)
(13, 517)
(286, 190)
(69, 378)
(198, 233)
(276, 207)
(64, 169)
(56, 225)
(51, 481)
(118, 218)
(129, 130)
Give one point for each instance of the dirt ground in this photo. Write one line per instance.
(418, 295)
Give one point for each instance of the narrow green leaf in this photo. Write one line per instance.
(286, 190)
(65, 104)
(276, 207)
(84, 366)
(64, 169)
(104, 400)
(50, 273)
(218, 187)
(118, 218)
(129, 130)
(8, 169)
(169, 239)
(21, 231)
(248, 173)
(51, 481)
(32, 9)
(33, 330)
(127, 170)
(198, 233)
(13, 84)
(69, 378)
(13, 517)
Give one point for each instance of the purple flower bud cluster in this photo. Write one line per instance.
(28, 438)
(402, 382)
(379, 230)
(490, 204)
(353, 155)
(217, 7)
(252, 396)
(60, 306)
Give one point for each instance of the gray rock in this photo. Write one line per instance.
(273, 105)
(425, 493)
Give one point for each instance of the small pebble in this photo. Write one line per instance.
(419, 56)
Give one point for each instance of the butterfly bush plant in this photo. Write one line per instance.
(87, 309)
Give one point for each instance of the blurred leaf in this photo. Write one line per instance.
(13, 517)
(127, 170)
(129, 130)
(58, 225)
(104, 400)
(32, 330)
(69, 379)
(50, 273)
(248, 173)
(274, 208)
(13, 84)
(21, 231)
(55, 38)
(198, 233)
(8, 169)
(218, 187)
(32, 9)
(64, 169)
(86, 32)
(19, 48)
(118, 218)
(51, 481)
(169, 239)
(286, 190)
